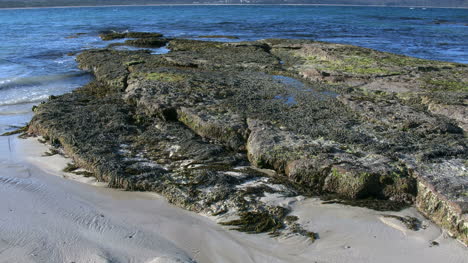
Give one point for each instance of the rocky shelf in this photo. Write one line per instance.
(225, 128)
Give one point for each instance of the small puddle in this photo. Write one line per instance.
(299, 86)
(154, 51)
(160, 51)
(288, 100)
(290, 82)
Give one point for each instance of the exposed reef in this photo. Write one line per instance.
(227, 129)
(111, 35)
(218, 36)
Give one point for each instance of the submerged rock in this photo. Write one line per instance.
(106, 36)
(219, 36)
(197, 124)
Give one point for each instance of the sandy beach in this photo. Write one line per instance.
(49, 216)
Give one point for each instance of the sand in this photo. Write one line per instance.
(49, 216)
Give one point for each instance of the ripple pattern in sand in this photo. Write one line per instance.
(44, 218)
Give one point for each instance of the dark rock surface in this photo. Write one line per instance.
(106, 36)
(198, 123)
(218, 36)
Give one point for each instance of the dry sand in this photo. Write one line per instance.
(46, 217)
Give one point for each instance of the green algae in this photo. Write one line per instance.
(134, 62)
(351, 184)
(362, 62)
(85, 174)
(165, 77)
(353, 65)
(255, 222)
(446, 85)
(291, 218)
(193, 45)
(402, 61)
(51, 152)
(295, 228)
(70, 168)
(220, 132)
(270, 221)
(410, 222)
(96, 89)
(312, 236)
(21, 130)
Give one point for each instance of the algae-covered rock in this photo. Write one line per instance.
(115, 35)
(147, 42)
(215, 55)
(346, 63)
(218, 36)
(326, 168)
(369, 69)
(196, 124)
(111, 67)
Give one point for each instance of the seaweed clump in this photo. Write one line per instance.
(410, 222)
(70, 168)
(116, 35)
(20, 130)
(259, 221)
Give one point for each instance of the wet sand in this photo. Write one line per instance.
(49, 216)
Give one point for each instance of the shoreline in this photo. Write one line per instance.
(161, 168)
(155, 5)
(355, 233)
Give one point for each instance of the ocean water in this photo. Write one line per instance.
(37, 45)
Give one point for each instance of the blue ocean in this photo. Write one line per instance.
(38, 45)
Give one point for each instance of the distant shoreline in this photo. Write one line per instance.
(103, 6)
